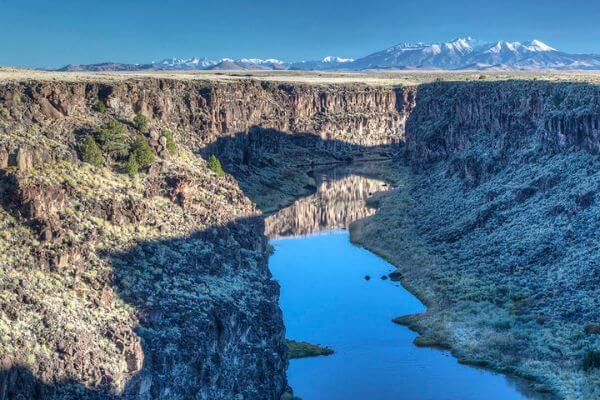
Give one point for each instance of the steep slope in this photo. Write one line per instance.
(156, 285)
(498, 232)
(150, 285)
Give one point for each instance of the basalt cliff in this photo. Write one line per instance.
(497, 227)
(142, 272)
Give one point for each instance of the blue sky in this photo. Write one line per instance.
(53, 33)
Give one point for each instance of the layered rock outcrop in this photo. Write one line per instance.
(560, 116)
(206, 110)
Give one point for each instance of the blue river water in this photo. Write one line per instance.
(326, 300)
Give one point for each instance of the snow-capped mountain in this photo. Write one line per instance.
(468, 53)
(458, 54)
(247, 64)
(197, 63)
(183, 63)
(329, 62)
(448, 55)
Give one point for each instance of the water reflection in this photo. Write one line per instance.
(339, 200)
(325, 299)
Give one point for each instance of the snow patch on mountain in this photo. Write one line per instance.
(336, 60)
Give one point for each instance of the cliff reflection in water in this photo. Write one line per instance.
(339, 200)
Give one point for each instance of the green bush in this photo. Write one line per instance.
(591, 360)
(170, 141)
(100, 107)
(4, 113)
(113, 138)
(305, 349)
(140, 122)
(90, 152)
(142, 153)
(289, 396)
(215, 165)
(131, 167)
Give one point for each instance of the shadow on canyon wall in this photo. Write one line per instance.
(209, 323)
(274, 168)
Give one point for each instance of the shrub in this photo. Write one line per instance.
(141, 152)
(100, 107)
(557, 99)
(131, 167)
(591, 360)
(4, 113)
(90, 152)
(289, 396)
(113, 138)
(304, 349)
(170, 141)
(592, 329)
(140, 122)
(215, 165)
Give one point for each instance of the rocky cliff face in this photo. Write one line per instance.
(559, 116)
(499, 230)
(154, 286)
(149, 287)
(206, 110)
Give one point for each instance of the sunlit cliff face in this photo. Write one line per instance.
(336, 204)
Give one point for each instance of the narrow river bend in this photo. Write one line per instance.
(326, 300)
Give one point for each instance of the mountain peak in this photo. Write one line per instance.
(467, 39)
(537, 45)
(338, 60)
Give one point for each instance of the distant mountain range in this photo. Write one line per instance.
(459, 54)
(189, 64)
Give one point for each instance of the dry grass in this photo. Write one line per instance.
(378, 78)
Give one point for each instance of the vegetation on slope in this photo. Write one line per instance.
(100, 270)
(508, 268)
(305, 349)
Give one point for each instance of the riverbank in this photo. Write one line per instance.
(500, 320)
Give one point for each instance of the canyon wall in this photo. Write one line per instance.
(203, 111)
(560, 116)
(498, 230)
(157, 286)
(153, 286)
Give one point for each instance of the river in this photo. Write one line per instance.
(326, 299)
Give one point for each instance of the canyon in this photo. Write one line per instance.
(156, 285)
